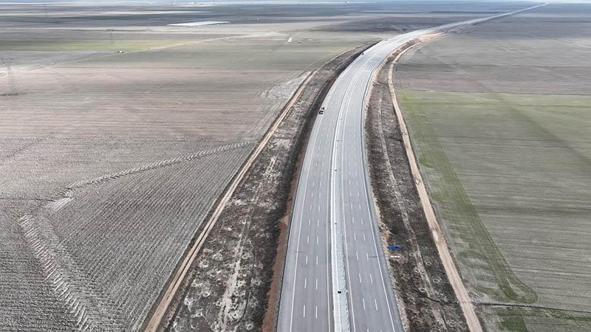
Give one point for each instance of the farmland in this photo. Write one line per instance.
(114, 146)
(119, 132)
(120, 129)
(499, 117)
(225, 291)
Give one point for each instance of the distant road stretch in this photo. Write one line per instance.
(336, 276)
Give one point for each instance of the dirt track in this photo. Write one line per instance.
(424, 271)
(437, 234)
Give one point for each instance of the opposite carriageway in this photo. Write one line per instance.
(336, 276)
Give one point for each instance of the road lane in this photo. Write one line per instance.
(340, 280)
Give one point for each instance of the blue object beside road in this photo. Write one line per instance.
(394, 248)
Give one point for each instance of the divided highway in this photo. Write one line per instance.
(336, 276)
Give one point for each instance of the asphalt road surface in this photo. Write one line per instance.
(336, 276)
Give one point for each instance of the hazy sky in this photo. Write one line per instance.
(89, 2)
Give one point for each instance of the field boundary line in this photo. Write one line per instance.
(532, 306)
(436, 232)
(159, 164)
(176, 280)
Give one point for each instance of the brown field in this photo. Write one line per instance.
(112, 160)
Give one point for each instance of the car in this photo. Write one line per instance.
(321, 110)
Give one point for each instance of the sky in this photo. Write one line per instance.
(90, 2)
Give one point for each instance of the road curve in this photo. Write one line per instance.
(336, 276)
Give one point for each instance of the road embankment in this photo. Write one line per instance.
(427, 298)
(233, 280)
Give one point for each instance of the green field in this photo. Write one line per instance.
(506, 153)
(510, 176)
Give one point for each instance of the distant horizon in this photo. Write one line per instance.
(201, 2)
(16, 2)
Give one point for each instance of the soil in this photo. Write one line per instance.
(235, 282)
(428, 300)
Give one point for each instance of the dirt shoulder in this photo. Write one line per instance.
(235, 281)
(428, 299)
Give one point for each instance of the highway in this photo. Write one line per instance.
(336, 276)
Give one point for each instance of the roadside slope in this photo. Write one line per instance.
(426, 297)
(229, 284)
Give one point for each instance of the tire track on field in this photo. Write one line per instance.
(161, 308)
(127, 234)
(90, 308)
(85, 301)
(156, 164)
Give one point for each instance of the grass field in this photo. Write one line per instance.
(501, 127)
